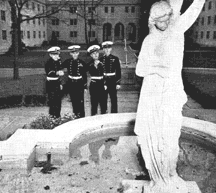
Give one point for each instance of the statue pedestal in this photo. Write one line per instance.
(141, 186)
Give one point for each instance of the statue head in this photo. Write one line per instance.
(160, 14)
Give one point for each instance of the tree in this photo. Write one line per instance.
(88, 15)
(18, 16)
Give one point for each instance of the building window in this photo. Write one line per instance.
(203, 20)
(112, 9)
(73, 34)
(106, 9)
(39, 21)
(214, 35)
(39, 34)
(91, 21)
(33, 21)
(44, 34)
(215, 19)
(197, 21)
(44, 21)
(38, 7)
(73, 9)
(208, 35)
(201, 35)
(4, 34)
(27, 21)
(55, 21)
(27, 4)
(210, 5)
(133, 9)
(73, 22)
(43, 9)
(22, 34)
(196, 34)
(28, 34)
(55, 33)
(3, 17)
(203, 7)
(126, 9)
(209, 20)
(54, 10)
(34, 34)
(91, 9)
(91, 34)
(33, 6)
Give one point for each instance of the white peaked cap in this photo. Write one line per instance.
(93, 48)
(107, 43)
(54, 49)
(74, 48)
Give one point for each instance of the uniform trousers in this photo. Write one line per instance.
(111, 90)
(97, 94)
(76, 92)
(54, 98)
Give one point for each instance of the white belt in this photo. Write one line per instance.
(97, 77)
(52, 78)
(75, 77)
(109, 74)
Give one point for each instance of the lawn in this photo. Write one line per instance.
(37, 58)
(200, 59)
(199, 85)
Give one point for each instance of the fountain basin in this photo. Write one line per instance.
(26, 147)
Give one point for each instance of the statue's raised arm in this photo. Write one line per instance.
(190, 15)
(176, 6)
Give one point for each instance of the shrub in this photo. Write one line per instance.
(45, 43)
(48, 122)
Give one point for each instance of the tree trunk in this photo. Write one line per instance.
(15, 40)
(85, 23)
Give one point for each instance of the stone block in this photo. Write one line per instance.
(141, 186)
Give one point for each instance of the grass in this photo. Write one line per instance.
(31, 90)
(201, 87)
(37, 59)
(27, 91)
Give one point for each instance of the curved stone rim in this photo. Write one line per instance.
(21, 149)
(200, 130)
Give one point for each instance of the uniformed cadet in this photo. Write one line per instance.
(97, 84)
(112, 73)
(53, 69)
(77, 80)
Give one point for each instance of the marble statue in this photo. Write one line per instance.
(159, 114)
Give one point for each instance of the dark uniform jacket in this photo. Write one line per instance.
(76, 68)
(111, 64)
(51, 67)
(96, 72)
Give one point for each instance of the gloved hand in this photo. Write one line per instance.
(118, 87)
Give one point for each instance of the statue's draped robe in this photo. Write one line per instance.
(159, 113)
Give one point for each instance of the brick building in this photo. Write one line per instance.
(76, 21)
(105, 20)
(34, 32)
(204, 30)
(5, 23)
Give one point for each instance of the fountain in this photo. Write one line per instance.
(67, 147)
